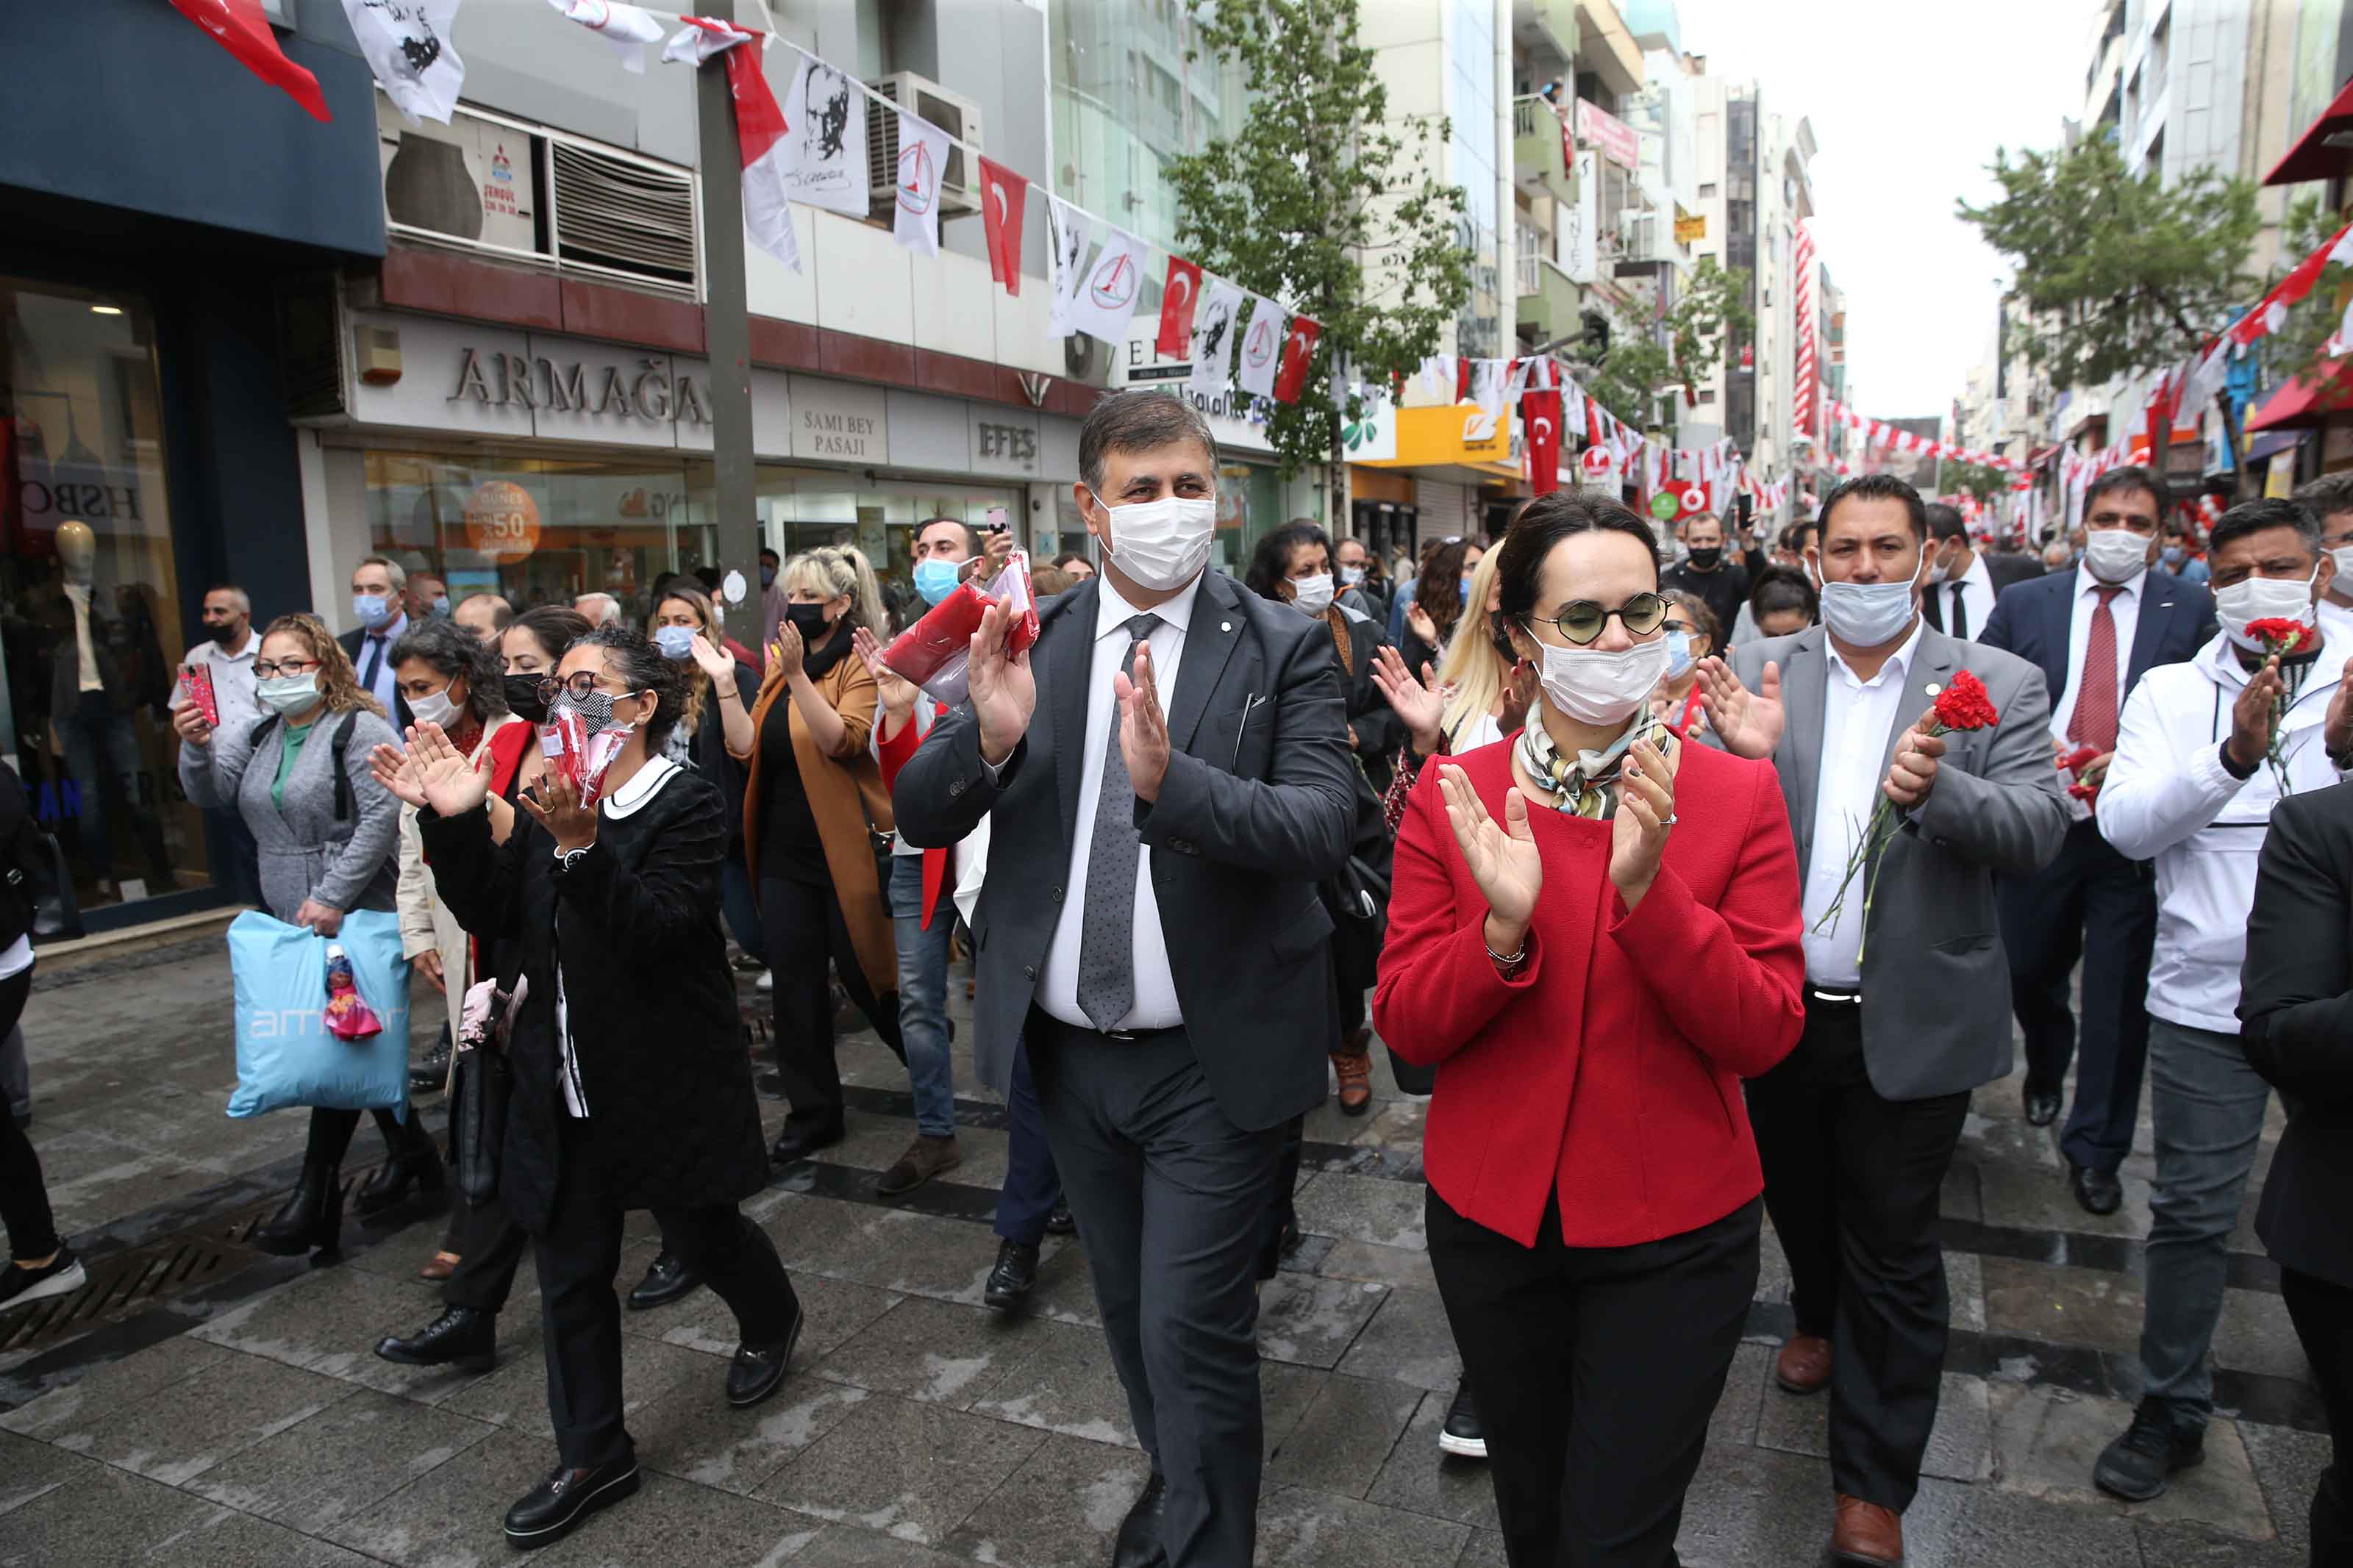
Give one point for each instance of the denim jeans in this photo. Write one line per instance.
(924, 996)
(2208, 1106)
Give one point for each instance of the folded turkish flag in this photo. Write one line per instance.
(238, 26)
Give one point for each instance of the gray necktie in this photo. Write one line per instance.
(1107, 935)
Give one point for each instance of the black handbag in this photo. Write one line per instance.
(482, 1086)
(37, 873)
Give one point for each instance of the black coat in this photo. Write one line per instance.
(654, 1031)
(1258, 806)
(2296, 1020)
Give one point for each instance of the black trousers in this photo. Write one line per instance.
(1032, 1185)
(805, 932)
(1852, 1182)
(1171, 1199)
(23, 1192)
(581, 1314)
(489, 1247)
(1595, 1370)
(2322, 1312)
(330, 1133)
(2090, 903)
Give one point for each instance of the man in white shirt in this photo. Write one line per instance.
(1171, 758)
(2207, 749)
(1904, 979)
(2093, 632)
(227, 654)
(1964, 582)
(2330, 499)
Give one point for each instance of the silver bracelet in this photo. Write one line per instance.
(1512, 963)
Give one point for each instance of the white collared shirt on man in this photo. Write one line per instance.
(2123, 608)
(1057, 983)
(1857, 718)
(1974, 589)
(386, 687)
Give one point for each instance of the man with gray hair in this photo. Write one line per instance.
(379, 596)
(1171, 759)
(602, 609)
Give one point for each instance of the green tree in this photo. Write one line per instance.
(2122, 275)
(1317, 202)
(1651, 358)
(1982, 480)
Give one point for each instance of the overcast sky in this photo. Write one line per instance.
(1908, 103)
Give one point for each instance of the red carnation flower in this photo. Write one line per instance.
(1964, 704)
(2278, 634)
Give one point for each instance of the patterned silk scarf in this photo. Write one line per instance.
(1586, 785)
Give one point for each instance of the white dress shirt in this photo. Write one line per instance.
(1057, 984)
(2125, 610)
(233, 680)
(2335, 623)
(84, 651)
(1857, 718)
(1975, 587)
(385, 688)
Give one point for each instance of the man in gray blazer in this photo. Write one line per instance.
(1166, 776)
(1906, 987)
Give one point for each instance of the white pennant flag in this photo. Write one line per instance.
(627, 28)
(825, 140)
(1261, 348)
(1488, 378)
(1104, 303)
(1213, 337)
(1068, 230)
(923, 159)
(760, 137)
(408, 47)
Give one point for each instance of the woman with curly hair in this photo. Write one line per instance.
(812, 805)
(327, 834)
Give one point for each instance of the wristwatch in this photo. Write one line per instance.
(568, 858)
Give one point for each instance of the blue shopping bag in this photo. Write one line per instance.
(285, 1055)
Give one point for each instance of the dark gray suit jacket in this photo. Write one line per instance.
(1936, 983)
(1259, 805)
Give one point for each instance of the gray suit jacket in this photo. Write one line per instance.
(1936, 1016)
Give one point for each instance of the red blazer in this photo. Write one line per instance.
(893, 755)
(1609, 1071)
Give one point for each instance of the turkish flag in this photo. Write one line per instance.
(1180, 296)
(1594, 435)
(1540, 417)
(1298, 348)
(238, 26)
(1003, 195)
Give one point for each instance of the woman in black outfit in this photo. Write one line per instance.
(41, 1264)
(631, 1088)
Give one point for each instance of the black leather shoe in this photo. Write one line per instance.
(2098, 1191)
(1015, 1275)
(1138, 1544)
(463, 1337)
(417, 1166)
(312, 1217)
(2042, 1107)
(770, 1085)
(800, 1142)
(758, 1371)
(666, 1278)
(1463, 1437)
(430, 1075)
(1060, 1221)
(547, 1513)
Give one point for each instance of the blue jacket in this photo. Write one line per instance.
(2032, 619)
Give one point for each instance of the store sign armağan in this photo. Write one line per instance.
(538, 382)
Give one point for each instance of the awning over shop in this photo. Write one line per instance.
(2303, 403)
(2324, 151)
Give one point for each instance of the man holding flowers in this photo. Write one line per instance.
(1915, 768)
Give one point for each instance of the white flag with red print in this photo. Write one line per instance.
(923, 158)
(1261, 347)
(2271, 311)
(760, 131)
(625, 27)
(1105, 302)
(406, 45)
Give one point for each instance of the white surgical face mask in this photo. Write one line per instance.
(2114, 554)
(2255, 599)
(1351, 575)
(433, 708)
(2344, 553)
(1678, 654)
(1867, 613)
(1312, 595)
(1162, 544)
(1595, 687)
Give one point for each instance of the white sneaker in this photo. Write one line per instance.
(767, 981)
(61, 1275)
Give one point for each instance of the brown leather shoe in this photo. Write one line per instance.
(1354, 1068)
(1867, 1535)
(1804, 1365)
(438, 1266)
(926, 1157)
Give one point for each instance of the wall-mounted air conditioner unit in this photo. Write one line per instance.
(926, 100)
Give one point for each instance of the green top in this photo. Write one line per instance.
(289, 747)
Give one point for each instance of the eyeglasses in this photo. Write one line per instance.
(1583, 620)
(267, 670)
(581, 683)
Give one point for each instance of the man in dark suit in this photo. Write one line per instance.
(1171, 756)
(379, 596)
(2095, 631)
(1964, 582)
(2295, 1013)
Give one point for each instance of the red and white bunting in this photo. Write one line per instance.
(1180, 297)
(1003, 196)
(1809, 409)
(760, 128)
(240, 27)
(2271, 311)
(409, 51)
(625, 27)
(1540, 420)
(1298, 353)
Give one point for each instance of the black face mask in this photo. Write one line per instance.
(228, 636)
(809, 621)
(1707, 560)
(524, 700)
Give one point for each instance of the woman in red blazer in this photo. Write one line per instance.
(1594, 935)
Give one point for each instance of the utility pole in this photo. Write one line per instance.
(728, 333)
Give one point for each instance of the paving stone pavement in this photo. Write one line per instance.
(247, 1422)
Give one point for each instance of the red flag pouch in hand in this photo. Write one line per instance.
(1010, 587)
(347, 1016)
(196, 681)
(564, 744)
(933, 652)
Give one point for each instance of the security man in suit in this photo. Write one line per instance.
(1168, 773)
(379, 601)
(1903, 974)
(2095, 631)
(1964, 583)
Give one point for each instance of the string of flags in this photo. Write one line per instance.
(1883, 434)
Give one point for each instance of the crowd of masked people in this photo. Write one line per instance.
(1243, 826)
